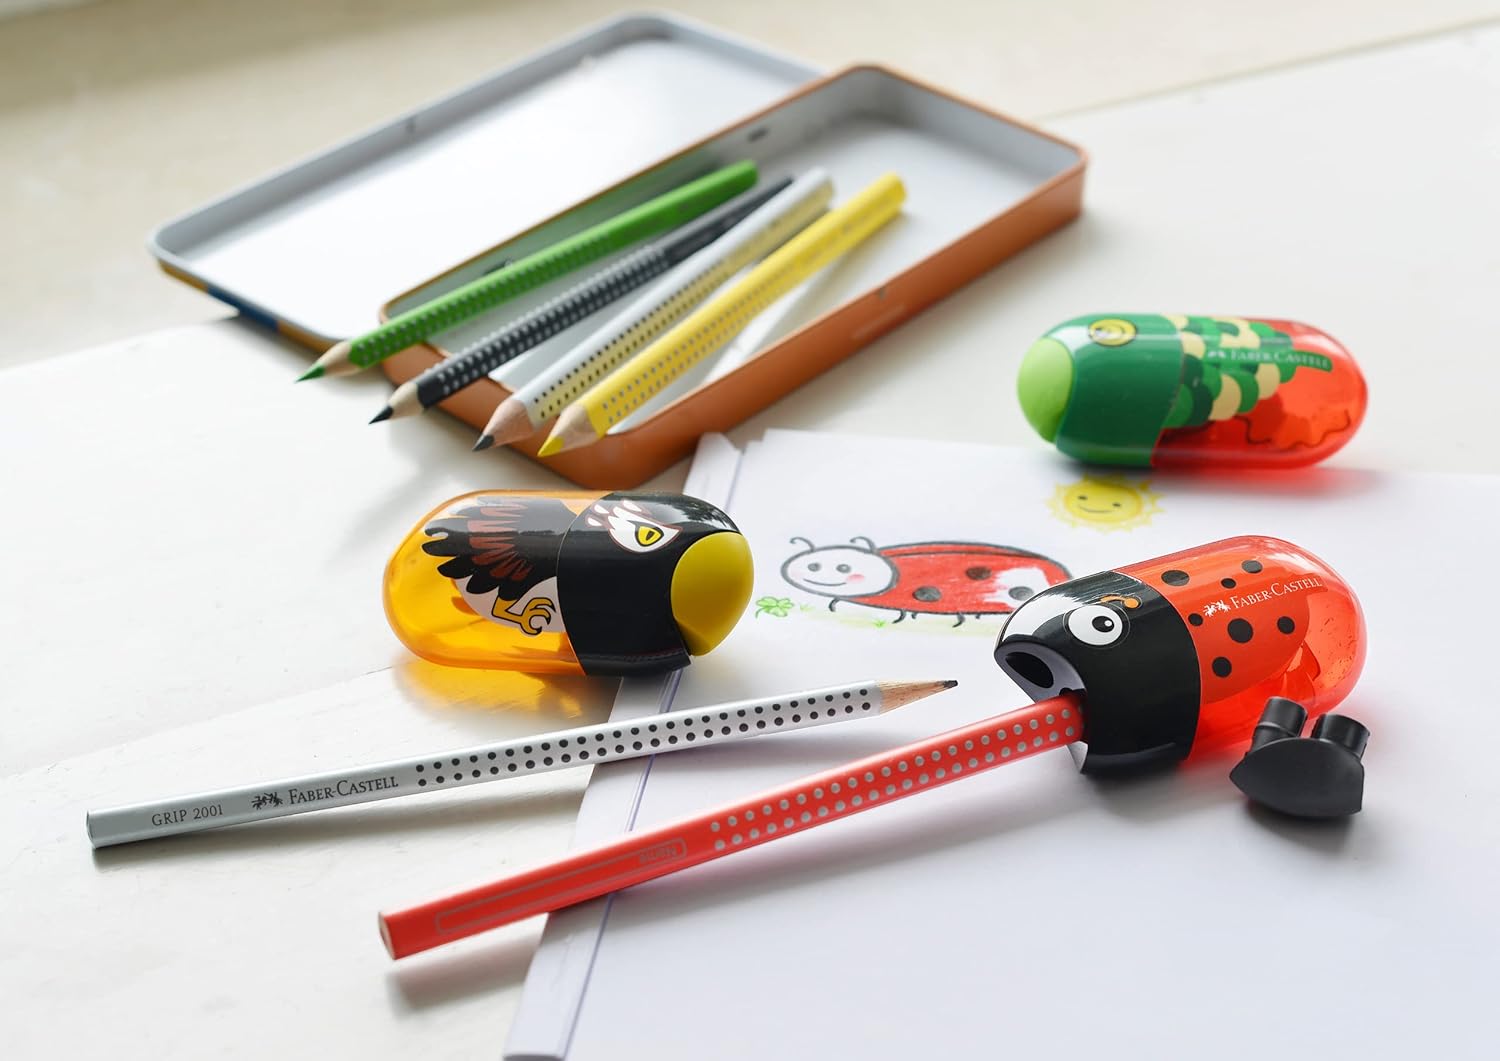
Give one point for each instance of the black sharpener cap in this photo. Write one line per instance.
(1321, 775)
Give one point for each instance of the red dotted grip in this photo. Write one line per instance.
(792, 808)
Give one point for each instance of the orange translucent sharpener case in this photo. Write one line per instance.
(568, 582)
(981, 187)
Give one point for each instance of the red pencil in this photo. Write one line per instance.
(790, 809)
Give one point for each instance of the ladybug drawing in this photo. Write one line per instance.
(1211, 633)
(935, 578)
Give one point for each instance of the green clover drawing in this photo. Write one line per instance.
(779, 607)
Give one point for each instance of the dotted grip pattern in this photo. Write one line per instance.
(708, 329)
(650, 218)
(779, 812)
(605, 743)
(504, 344)
(583, 745)
(660, 309)
(584, 299)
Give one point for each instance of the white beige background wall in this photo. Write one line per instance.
(118, 114)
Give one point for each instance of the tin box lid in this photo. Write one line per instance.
(316, 248)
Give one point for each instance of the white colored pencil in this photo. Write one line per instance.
(655, 312)
(583, 746)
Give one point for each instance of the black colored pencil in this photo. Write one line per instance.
(517, 336)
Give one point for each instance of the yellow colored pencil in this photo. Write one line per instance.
(719, 320)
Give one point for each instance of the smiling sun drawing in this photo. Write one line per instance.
(1106, 503)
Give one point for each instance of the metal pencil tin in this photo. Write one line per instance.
(981, 187)
(314, 250)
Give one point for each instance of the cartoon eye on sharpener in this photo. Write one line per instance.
(569, 582)
(1177, 656)
(1177, 391)
(1144, 665)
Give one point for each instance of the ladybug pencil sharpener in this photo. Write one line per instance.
(1174, 391)
(1177, 656)
(569, 582)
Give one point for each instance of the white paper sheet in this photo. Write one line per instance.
(1033, 909)
(558, 976)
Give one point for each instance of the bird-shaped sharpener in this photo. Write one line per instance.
(568, 582)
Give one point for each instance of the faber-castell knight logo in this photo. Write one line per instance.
(1271, 592)
(265, 799)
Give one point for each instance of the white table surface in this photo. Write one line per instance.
(190, 583)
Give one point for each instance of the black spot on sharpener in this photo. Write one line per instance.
(1317, 776)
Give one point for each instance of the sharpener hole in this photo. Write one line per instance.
(1031, 668)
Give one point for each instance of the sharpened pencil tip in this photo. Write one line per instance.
(315, 372)
(554, 444)
(510, 423)
(484, 443)
(384, 414)
(899, 694)
(334, 361)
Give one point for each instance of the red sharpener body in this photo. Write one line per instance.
(1177, 656)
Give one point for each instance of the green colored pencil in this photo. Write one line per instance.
(649, 219)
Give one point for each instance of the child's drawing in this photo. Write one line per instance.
(1106, 502)
(777, 607)
(961, 579)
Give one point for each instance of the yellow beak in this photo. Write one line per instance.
(710, 589)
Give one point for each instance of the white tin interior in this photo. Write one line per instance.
(961, 167)
(323, 244)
